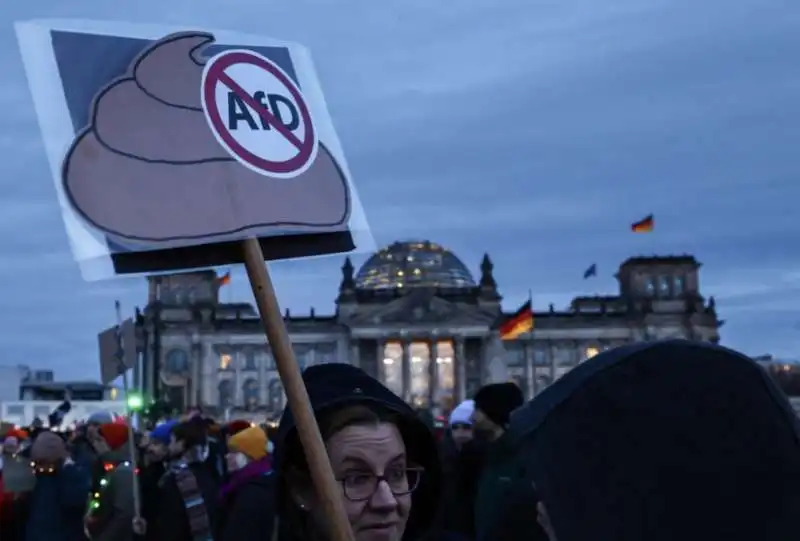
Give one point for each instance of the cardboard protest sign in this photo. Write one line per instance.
(18, 475)
(114, 358)
(170, 146)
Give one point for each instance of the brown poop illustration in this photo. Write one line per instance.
(147, 168)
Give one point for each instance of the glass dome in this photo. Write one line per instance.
(413, 264)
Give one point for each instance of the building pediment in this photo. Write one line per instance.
(422, 308)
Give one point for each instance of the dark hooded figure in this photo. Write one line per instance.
(665, 441)
(383, 456)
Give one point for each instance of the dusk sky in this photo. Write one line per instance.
(535, 131)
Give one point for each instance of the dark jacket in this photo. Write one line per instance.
(664, 441)
(335, 385)
(247, 505)
(57, 504)
(499, 470)
(149, 489)
(111, 520)
(171, 519)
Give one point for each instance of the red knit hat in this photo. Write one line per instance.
(115, 434)
(234, 427)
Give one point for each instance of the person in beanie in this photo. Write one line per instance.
(153, 469)
(460, 423)
(384, 456)
(496, 465)
(58, 500)
(189, 490)
(663, 441)
(247, 500)
(112, 510)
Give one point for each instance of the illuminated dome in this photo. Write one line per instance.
(413, 264)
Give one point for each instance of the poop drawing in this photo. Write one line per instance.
(185, 149)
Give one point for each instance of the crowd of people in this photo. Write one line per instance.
(664, 441)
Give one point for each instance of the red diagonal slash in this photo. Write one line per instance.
(262, 111)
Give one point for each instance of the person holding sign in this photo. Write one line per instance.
(384, 459)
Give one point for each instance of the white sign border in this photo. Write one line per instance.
(34, 38)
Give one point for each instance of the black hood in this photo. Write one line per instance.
(335, 385)
(665, 441)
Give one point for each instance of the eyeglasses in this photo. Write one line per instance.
(359, 486)
(460, 426)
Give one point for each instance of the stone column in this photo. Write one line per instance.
(236, 358)
(263, 359)
(355, 354)
(379, 356)
(551, 353)
(195, 397)
(461, 371)
(406, 363)
(433, 372)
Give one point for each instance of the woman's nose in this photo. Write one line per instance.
(383, 498)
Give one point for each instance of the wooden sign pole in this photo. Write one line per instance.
(307, 429)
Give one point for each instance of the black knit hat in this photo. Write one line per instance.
(664, 441)
(498, 400)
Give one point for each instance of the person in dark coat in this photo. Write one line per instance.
(663, 441)
(57, 503)
(247, 500)
(493, 452)
(382, 454)
(152, 470)
(188, 496)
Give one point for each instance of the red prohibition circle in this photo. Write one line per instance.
(216, 76)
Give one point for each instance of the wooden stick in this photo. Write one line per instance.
(307, 429)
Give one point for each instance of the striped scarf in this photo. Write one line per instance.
(196, 512)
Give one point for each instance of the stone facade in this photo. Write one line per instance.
(431, 339)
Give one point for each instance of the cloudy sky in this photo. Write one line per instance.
(534, 130)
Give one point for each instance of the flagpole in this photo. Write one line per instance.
(530, 360)
(131, 438)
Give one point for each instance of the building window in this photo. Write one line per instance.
(393, 367)
(540, 356)
(678, 285)
(325, 353)
(225, 361)
(302, 354)
(177, 361)
(664, 286)
(16, 411)
(275, 396)
(649, 286)
(250, 391)
(590, 352)
(515, 353)
(226, 393)
(250, 360)
(41, 411)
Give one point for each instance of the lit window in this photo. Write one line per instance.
(112, 395)
(591, 352)
(663, 286)
(225, 361)
(649, 287)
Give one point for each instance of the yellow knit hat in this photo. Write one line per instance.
(251, 442)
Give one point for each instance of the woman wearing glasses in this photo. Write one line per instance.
(383, 456)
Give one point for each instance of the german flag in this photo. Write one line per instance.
(645, 225)
(518, 323)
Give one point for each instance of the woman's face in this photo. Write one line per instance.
(357, 454)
